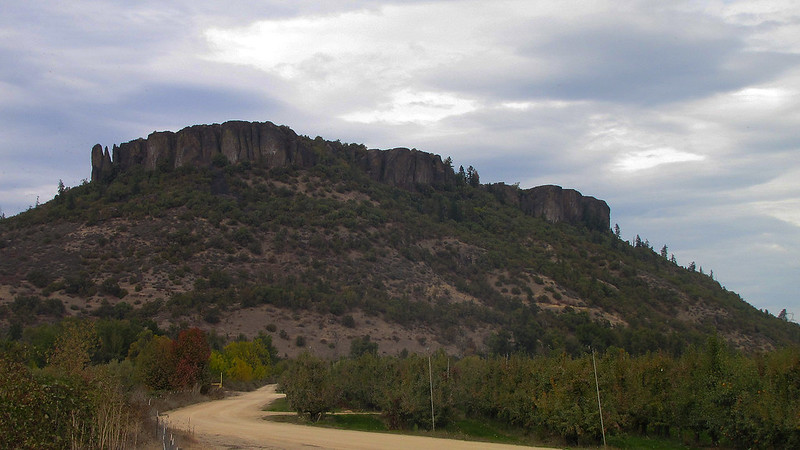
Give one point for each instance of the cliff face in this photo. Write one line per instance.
(271, 146)
(198, 145)
(556, 204)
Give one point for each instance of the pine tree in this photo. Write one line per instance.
(472, 177)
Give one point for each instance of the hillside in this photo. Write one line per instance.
(246, 228)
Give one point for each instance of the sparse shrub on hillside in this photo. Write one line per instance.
(39, 278)
(110, 286)
(211, 315)
(79, 284)
(349, 321)
(363, 345)
(26, 307)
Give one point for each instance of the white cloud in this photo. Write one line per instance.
(543, 104)
(775, 23)
(409, 106)
(362, 64)
(648, 159)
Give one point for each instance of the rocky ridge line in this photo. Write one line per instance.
(272, 146)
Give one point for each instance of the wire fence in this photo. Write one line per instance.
(164, 434)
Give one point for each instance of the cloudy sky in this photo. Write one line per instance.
(683, 116)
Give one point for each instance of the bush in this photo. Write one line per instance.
(361, 346)
(111, 287)
(39, 278)
(349, 321)
(79, 284)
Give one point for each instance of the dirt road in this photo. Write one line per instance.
(237, 422)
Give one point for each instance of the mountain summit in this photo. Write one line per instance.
(270, 146)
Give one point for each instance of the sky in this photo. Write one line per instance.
(684, 116)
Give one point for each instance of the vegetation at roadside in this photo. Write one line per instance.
(96, 383)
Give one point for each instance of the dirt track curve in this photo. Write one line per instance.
(237, 422)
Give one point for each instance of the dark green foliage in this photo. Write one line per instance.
(68, 403)
(39, 278)
(80, 284)
(111, 287)
(310, 389)
(219, 160)
(26, 307)
(47, 413)
(116, 337)
(361, 346)
(349, 321)
(709, 396)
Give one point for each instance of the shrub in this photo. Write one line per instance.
(39, 278)
(349, 321)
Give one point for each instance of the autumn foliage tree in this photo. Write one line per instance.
(243, 361)
(191, 352)
(164, 364)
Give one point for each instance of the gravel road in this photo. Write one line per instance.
(237, 422)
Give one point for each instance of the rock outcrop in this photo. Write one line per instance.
(556, 204)
(272, 146)
(102, 168)
(268, 145)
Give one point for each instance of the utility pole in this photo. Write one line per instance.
(599, 407)
(430, 376)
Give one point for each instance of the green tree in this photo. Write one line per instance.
(473, 179)
(362, 345)
(406, 392)
(73, 348)
(309, 387)
(155, 362)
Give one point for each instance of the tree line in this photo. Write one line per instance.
(709, 396)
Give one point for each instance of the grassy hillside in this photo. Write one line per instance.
(322, 257)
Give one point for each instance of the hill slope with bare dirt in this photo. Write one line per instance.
(322, 255)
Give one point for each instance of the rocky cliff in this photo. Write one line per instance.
(271, 146)
(555, 204)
